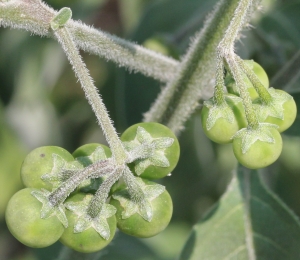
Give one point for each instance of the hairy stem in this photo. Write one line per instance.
(124, 53)
(97, 169)
(134, 189)
(244, 94)
(35, 16)
(92, 94)
(236, 25)
(226, 51)
(219, 98)
(259, 87)
(95, 206)
(194, 80)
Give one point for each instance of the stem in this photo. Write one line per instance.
(134, 189)
(226, 50)
(259, 87)
(35, 16)
(244, 94)
(101, 195)
(62, 192)
(238, 21)
(124, 53)
(92, 94)
(219, 97)
(179, 99)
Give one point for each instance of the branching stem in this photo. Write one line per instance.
(247, 102)
(35, 16)
(226, 51)
(96, 204)
(194, 80)
(259, 87)
(92, 95)
(97, 169)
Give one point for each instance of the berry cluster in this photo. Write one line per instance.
(80, 198)
(252, 118)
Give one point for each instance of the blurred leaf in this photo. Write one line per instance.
(12, 154)
(287, 29)
(30, 113)
(287, 173)
(288, 75)
(123, 247)
(295, 128)
(249, 222)
(80, 9)
(275, 38)
(183, 19)
(130, 13)
(48, 253)
(289, 157)
(175, 234)
(180, 13)
(128, 248)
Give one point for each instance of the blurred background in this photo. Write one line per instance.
(41, 103)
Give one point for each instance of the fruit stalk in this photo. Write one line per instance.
(96, 170)
(259, 87)
(92, 95)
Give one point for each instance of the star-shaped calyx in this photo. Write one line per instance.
(84, 221)
(250, 135)
(97, 155)
(273, 108)
(48, 209)
(91, 185)
(139, 204)
(145, 150)
(61, 170)
(216, 112)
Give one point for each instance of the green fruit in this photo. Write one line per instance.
(289, 114)
(222, 131)
(88, 149)
(89, 240)
(171, 153)
(261, 153)
(135, 225)
(24, 222)
(39, 162)
(220, 123)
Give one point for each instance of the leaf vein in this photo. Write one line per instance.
(235, 252)
(274, 244)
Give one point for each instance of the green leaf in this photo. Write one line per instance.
(61, 18)
(249, 222)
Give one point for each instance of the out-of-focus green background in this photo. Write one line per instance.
(41, 103)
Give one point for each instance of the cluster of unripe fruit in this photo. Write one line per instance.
(83, 213)
(258, 143)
